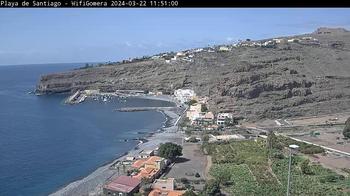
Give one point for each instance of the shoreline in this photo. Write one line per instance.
(92, 184)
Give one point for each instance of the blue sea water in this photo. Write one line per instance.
(45, 144)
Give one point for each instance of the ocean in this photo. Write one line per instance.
(45, 144)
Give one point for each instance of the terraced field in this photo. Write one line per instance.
(243, 168)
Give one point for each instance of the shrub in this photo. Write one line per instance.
(204, 108)
(205, 138)
(212, 188)
(305, 167)
(189, 193)
(193, 139)
(278, 155)
(346, 131)
(332, 178)
(197, 175)
(191, 102)
(184, 181)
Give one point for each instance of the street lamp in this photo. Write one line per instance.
(291, 148)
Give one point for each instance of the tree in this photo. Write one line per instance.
(346, 131)
(191, 102)
(170, 150)
(193, 139)
(271, 140)
(204, 108)
(206, 138)
(189, 193)
(305, 167)
(212, 188)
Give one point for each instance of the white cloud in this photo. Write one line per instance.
(229, 39)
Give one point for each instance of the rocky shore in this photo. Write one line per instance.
(93, 183)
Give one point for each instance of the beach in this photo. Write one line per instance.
(93, 183)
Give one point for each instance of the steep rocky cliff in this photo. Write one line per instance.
(288, 79)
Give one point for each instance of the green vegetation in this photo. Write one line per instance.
(204, 108)
(191, 102)
(305, 167)
(346, 131)
(245, 168)
(170, 150)
(205, 138)
(189, 193)
(279, 142)
(211, 188)
(192, 139)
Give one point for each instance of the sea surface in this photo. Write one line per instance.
(45, 144)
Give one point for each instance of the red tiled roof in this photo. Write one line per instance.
(146, 173)
(139, 163)
(123, 184)
(153, 159)
(157, 192)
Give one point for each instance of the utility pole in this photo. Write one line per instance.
(289, 166)
(291, 147)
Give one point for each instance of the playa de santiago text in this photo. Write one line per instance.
(30, 4)
(77, 3)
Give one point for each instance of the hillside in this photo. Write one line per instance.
(303, 77)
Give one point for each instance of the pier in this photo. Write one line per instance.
(77, 97)
(138, 109)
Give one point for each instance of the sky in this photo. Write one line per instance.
(39, 36)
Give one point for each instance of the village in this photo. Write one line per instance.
(151, 172)
(188, 55)
(148, 173)
(211, 141)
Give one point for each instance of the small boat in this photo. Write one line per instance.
(104, 99)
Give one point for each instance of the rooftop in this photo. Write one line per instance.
(157, 192)
(123, 184)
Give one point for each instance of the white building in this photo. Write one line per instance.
(292, 40)
(224, 49)
(184, 95)
(180, 54)
(221, 117)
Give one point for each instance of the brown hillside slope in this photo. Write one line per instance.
(288, 80)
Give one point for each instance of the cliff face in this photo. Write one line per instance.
(256, 82)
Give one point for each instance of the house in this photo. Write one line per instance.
(193, 111)
(279, 41)
(184, 95)
(155, 57)
(129, 158)
(149, 168)
(224, 49)
(147, 173)
(292, 40)
(122, 186)
(165, 187)
(157, 192)
(146, 153)
(223, 117)
(203, 118)
(306, 38)
(164, 184)
(180, 54)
